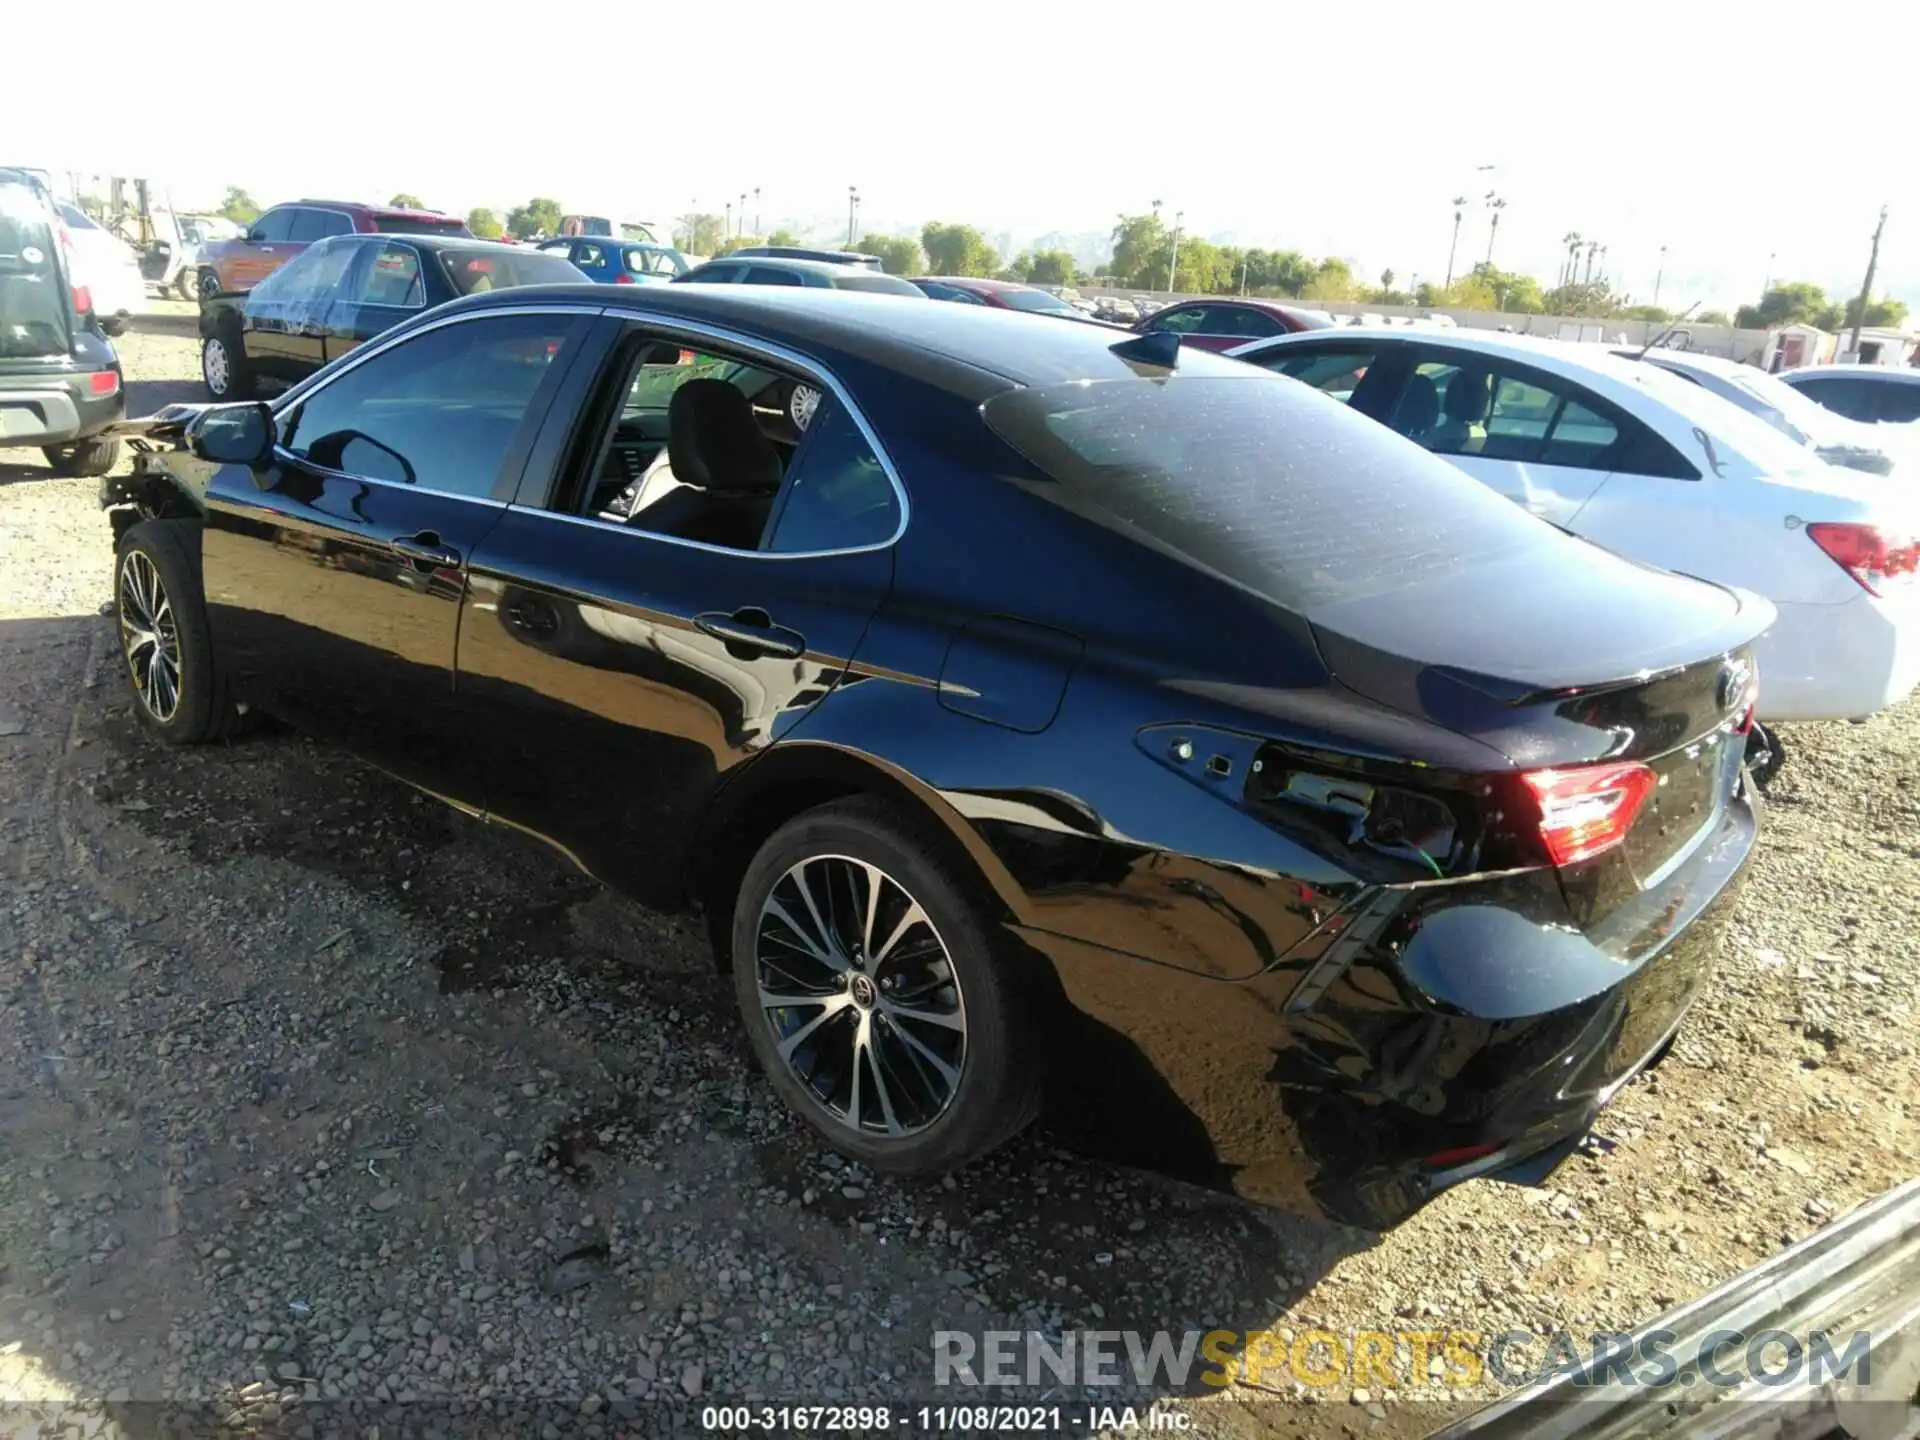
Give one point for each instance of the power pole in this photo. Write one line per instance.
(853, 199)
(1866, 286)
(1173, 265)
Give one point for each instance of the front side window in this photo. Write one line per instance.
(767, 275)
(1466, 405)
(272, 227)
(439, 411)
(590, 257)
(1184, 320)
(652, 260)
(712, 275)
(312, 275)
(392, 278)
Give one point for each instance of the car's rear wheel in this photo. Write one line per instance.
(164, 641)
(114, 325)
(224, 368)
(83, 457)
(187, 285)
(879, 994)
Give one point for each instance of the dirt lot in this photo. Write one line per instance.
(312, 1089)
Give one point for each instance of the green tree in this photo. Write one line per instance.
(1205, 269)
(1512, 292)
(899, 254)
(539, 216)
(484, 223)
(406, 200)
(1140, 243)
(700, 233)
(956, 249)
(239, 207)
(1052, 267)
(1880, 314)
(736, 242)
(1332, 280)
(1713, 317)
(786, 237)
(1796, 303)
(1654, 314)
(1592, 298)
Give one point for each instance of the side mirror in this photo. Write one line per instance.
(232, 434)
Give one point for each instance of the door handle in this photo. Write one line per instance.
(425, 549)
(751, 629)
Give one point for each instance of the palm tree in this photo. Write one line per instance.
(1459, 201)
(1572, 241)
(1495, 204)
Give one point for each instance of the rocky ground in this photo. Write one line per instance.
(312, 1091)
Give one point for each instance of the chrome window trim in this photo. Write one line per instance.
(672, 326)
(285, 456)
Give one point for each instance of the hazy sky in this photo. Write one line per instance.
(1340, 129)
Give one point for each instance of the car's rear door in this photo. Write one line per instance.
(621, 673)
(334, 572)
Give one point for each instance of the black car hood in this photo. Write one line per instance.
(1531, 624)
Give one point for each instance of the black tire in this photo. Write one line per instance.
(208, 284)
(114, 325)
(223, 367)
(83, 457)
(997, 1090)
(1765, 755)
(187, 285)
(201, 709)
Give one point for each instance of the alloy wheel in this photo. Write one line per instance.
(213, 364)
(861, 995)
(149, 636)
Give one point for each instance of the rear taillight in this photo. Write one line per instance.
(82, 300)
(624, 279)
(104, 382)
(1586, 810)
(1873, 559)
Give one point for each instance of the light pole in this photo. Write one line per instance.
(1173, 263)
(1659, 275)
(853, 201)
(728, 232)
(1458, 202)
(1767, 284)
(743, 213)
(756, 211)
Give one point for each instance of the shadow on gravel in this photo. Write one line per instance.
(180, 325)
(146, 396)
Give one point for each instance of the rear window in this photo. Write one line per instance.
(1038, 301)
(419, 225)
(474, 271)
(1263, 482)
(883, 284)
(33, 297)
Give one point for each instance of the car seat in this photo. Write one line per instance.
(725, 472)
(1419, 408)
(1463, 408)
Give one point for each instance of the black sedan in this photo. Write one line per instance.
(1034, 717)
(341, 292)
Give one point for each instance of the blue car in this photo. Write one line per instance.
(606, 261)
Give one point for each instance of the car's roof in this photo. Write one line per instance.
(425, 242)
(1892, 374)
(803, 252)
(1689, 360)
(976, 350)
(371, 209)
(978, 282)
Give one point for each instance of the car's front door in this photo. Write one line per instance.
(623, 668)
(334, 572)
(385, 286)
(266, 246)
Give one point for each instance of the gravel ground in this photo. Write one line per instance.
(312, 1091)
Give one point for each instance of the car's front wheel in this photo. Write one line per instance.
(209, 284)
(880, 996)
(223, 367)
(163, 633)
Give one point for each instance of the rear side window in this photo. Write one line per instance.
(312, 225)
(1900, 402)
(1842, 394)
(712, 275)
(838, 494)
(1307, 504)
(392, 277)
(1332, 372)
(767, 275)
(588, 255)
(472, 270)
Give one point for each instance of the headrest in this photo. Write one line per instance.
(1469, 393)
(1419, 406)
(715, 444)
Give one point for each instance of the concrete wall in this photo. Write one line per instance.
(1745, 345)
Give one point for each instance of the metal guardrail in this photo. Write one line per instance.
(1860, 1276)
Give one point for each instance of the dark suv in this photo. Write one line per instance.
(231, 266)
(59, 377)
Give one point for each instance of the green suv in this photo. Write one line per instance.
(59, 378)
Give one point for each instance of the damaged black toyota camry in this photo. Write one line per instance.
(1040, 722)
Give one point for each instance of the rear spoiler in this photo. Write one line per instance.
(1858, 1277)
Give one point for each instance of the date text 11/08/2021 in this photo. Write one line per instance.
(944, 1419)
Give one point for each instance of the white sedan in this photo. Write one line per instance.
(107, 266)
(1657, 469)
(1872, 394)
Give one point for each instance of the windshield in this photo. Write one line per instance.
(1768, 450)
(1037, 301)
(418, 225)
(474, 270)
(34, 303)
(76, 218)
(1264, 482)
